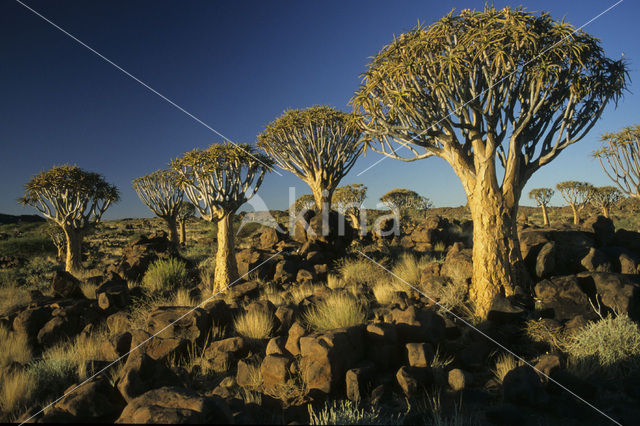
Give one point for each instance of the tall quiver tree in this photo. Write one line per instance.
(348, 200)
(185, 212)
(162, 193)
(218, 181)
(73, 198)
(497, 94)
(318, 144)
(577, 195)
(620, 159)
(604, 198)
(542, 197)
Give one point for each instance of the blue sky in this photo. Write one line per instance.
(236, 65)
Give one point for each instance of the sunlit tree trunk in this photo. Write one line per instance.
(545, 216)
(183, 232)
(173, 229)
(605, 211)
(576, 218)
(226, 268)
(73, 261)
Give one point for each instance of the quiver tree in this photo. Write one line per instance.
(620, 159)
(304, 202)
(161, 192)
(605, 198)
(57, 238)
(218, 181)
(542, 197)
(318, 144)
(186, 211)
(348, 200)
(72, 198)
(577, 195)
(405, 201)
(497, 94)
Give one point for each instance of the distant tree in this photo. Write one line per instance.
(318, 144)
(488, 91)
(577, 195)
(58, 239)
(161, 192)
(185, 212)
(405, 201)
(542, 196)
(218, 181)
(74, 199)
(348, 200)
(605, 198)
(620, 159)
(304, 202)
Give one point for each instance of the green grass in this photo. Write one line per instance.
(165, 275)
(27, 245)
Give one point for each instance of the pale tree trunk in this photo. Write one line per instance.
(322, 197)
(74, 250)
(355, 219)
(173, 230)
(605, 211)
(226, 268)
(61, 253)
(576, 218)
(183, 232)
(545, 216)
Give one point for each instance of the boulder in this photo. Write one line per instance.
(617, 292)
(546, 260)
(292, 345)
(255, 261)
(113, 293)
(93, 402)
(630, 240)
(458, 266)
(181, 322)
(420, 354)
(140, 253)
(270, 237)
(158, 348)
(459, 379)
(275, 372)
(66, 286)
(418, 326)
(300, 227)
(30, 321)
(141, 374)
(223, 355)
(603, 229)
(411, 379)
(547, 366)
(564, 296)
(176, 405)
(622, 260)
(358, 381)
(522, 386)
(596, 260)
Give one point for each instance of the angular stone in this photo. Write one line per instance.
(141, 374)
(293, 339)
(358, 381)
(419, 354)
(275, 372)
(459, 379)
(66, 286)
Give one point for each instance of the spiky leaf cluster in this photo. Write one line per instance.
(620, 159)
(575, 193)
(70, 196)
(542, 196)
(161, 192)
(489, 84)
(316, 144)
(221, 178)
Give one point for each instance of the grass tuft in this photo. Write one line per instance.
(165, 275)
(338, 310)
(255, 324)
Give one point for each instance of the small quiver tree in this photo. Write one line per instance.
(304, 202)
(497, 94)
(577, 195)
(72, 198)
(218, 181)
(185, 212)
(405, 201)
(542, 197)
(605, 198)
(348, 200)
(318, 144)
(161, 192)
(57, 238)
(620, 159)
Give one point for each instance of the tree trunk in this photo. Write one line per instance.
(322, 197)
(576, 219)
(355, 220)
(605, 211)
(183, 232)
(545, 216)
(74, 250)
(226, 268)
(61, 253)
(497, 262)
(173, 230)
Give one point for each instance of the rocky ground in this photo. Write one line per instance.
(319, 333)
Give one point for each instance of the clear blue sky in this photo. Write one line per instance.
(236, 65)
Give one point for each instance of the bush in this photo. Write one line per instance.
(358, 272)
(347, 413)
(338, 310)
(15, 348)
(609, 347)
(255, 324)
(165, 275)
(408, 269)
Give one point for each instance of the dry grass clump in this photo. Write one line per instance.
(15, 348)
(165, 275)
(255, 324)
(11, 297)
(301, 292)
(609, 347)
(441, 360)
(384, 290)
(273, 294)
(337, 310)
(505, 363)
(358, 272)
(345, 412)
(16, 391)
(408, 269)
(335, 282)
(182, 298)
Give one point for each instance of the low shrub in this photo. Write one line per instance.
(609, 347)
(337, 310)
(347, 413)
(165, 275)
